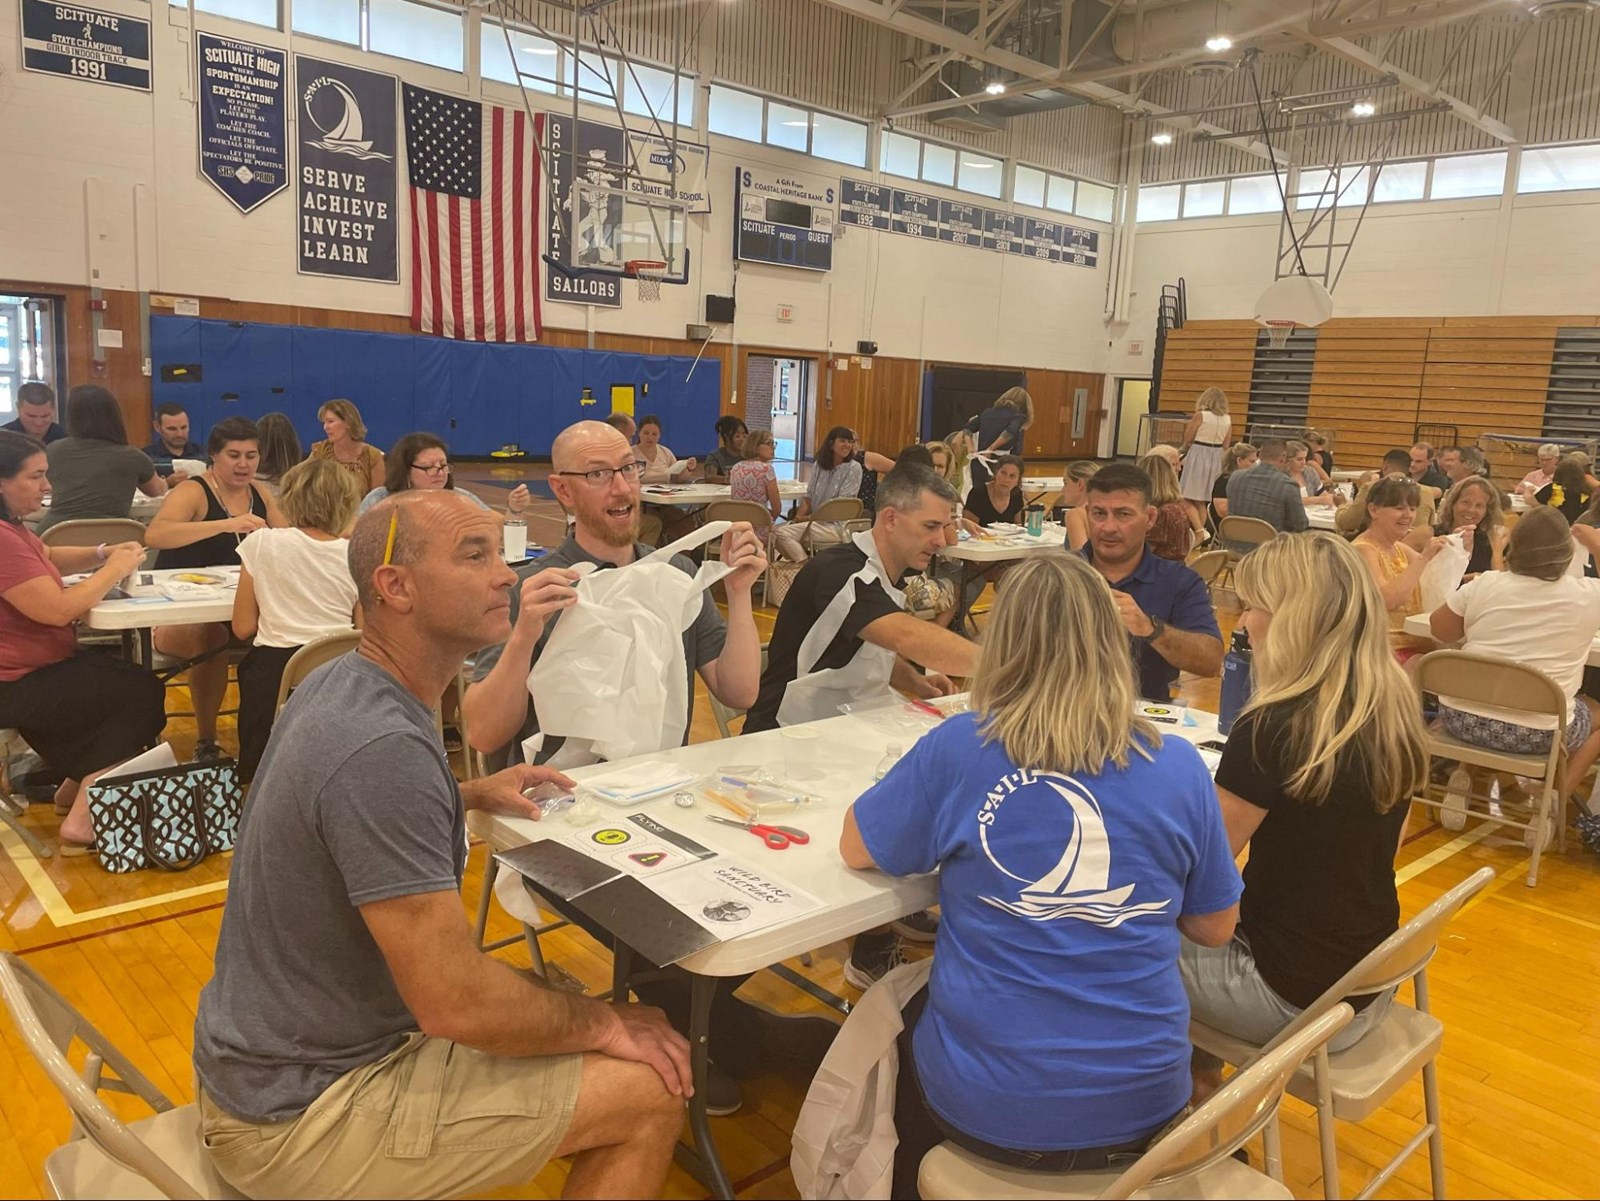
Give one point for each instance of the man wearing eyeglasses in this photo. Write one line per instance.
(596, 477)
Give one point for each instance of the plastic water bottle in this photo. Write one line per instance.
(1235, 681)
(891, 755)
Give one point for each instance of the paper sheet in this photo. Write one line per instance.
(729, 898)
(154, 759)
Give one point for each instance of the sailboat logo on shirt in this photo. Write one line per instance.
(1078, 886)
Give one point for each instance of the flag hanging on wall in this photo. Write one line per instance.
(475, 180)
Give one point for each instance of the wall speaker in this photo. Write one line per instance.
(866, 348)
(719, 310)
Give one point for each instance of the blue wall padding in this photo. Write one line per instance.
(476, 397)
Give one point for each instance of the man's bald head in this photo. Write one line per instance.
(577, 444)
(417, 514)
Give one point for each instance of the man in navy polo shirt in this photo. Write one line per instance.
(1164, 605)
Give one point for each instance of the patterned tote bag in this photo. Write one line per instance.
(171, 818)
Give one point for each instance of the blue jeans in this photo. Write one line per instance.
(1227, 993)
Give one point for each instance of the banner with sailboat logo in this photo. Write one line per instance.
(347, 139)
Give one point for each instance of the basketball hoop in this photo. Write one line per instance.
(649, 273)
(1278, 333)
(1292, 302)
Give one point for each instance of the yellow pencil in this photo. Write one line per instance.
(730, 805)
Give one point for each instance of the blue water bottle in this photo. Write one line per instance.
(1235, 681)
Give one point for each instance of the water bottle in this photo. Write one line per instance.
(891, 756)
(1235, 681)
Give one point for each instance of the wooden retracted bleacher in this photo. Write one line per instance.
(1207, 353)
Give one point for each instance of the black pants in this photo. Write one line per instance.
(260, 673)
(85, 713)
(921, 1130)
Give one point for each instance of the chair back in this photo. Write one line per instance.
(840, 508)
(1207, 565)
(49, 1025)
(1396, 959)
(759, 517)
(1234, 1113)
(1488, 680)
(1245, 529)
(312, 656)
(92, 531)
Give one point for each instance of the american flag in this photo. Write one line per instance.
(475, 180)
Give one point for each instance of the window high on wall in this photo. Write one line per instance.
(434, 34)
(601, 79)
(256, 12)
(736, 113)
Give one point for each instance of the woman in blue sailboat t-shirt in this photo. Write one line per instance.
(1073, 845)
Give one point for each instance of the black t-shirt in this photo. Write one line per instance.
(813, 589)
(868, 492)
(1219, 491)
(1482, 553)
(1319, 889)
(981, 508)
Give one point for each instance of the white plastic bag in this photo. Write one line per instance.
(1442, 575)
(610, 679)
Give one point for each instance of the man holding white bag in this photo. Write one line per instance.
(596, 476)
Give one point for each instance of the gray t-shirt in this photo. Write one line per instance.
(353, 803)
(93, 478)
(702, 641)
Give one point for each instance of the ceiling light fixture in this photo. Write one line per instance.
(1219, 42)
(1363, 108)
(995, 88)
(1162, 139)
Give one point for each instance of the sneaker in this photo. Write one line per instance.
(723, 1094)
(872, 958)
(918, 927)
(207, 751)
(1454, 814)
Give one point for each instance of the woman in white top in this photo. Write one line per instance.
(294, 587)
(1204, 438)
(1536, 614)
(658, 459)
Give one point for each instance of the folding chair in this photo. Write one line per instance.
(1207, 566)
(841, 509)
(160, 1156)
(12, 807)
(1231, 530)
(92, 531)
(724, 714)
(1354, 1083)
(1192, 1160)
(760, 520)
(312, 656)
(1484, 679)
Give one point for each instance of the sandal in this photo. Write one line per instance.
(77, 850)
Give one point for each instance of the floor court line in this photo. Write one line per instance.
(55, 905)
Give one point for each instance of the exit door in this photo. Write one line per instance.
(1133, 402)
(27, 347)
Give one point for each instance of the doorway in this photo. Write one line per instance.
(28, 347)
(1133, 402)
(779, 395)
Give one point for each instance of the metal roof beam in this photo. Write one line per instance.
(1343, 48)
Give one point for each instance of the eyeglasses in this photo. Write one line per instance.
(601, 477)
(432, 468)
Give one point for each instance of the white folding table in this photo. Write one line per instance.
(848, 750)
(688, 495)
(135, 617)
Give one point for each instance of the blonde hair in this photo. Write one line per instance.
(1212, 400)
(1164, 488)
(960, 442)
(952, 469)
(1031, 684)
(1328, 663)
(1445, 520)
(318, 494)
(346, 412)
(1017, 398)
(1081, 470)
(754, 440)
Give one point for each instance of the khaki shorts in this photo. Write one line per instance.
(432, 1119)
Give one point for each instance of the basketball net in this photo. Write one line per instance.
(649, 273)
(1278, 333)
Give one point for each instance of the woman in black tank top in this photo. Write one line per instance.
(202, 526)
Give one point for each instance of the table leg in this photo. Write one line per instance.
(147, 653)
(712, 1174)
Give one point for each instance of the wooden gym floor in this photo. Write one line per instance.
(1514, 983)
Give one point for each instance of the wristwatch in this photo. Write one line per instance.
(1157, 628)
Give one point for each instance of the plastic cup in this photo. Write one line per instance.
(515, 536)
(802, 748)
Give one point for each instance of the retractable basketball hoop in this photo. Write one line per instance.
(649, 273)
(1296, 301)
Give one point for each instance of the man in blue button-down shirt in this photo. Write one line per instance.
(1164, 605)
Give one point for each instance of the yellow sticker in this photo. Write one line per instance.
(611, 838)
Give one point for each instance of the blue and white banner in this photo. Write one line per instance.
(347, 137)
(784, 218)
(85, 43)
(244, 144)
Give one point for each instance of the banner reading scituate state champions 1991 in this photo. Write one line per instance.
(346, 143)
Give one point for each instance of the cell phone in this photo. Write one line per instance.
(1213, 745)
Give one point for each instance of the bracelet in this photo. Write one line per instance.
(100, 552)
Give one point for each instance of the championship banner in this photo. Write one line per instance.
(244, 145)
(347, 137)
(85, 43)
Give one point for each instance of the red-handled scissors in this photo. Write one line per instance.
(776, 837)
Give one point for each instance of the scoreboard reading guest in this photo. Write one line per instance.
(784, 218)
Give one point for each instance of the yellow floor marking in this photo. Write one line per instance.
(1439, 854)
(55, 905)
